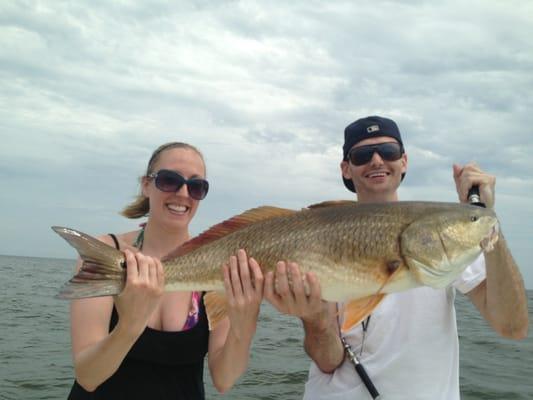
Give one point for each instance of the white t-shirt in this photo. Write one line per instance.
(411, 348)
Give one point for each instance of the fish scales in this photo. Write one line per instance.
(344, 244)
(355, 250)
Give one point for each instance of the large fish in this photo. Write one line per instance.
(359, 252)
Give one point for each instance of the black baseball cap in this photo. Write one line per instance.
(365, 128)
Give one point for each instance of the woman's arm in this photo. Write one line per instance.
(97, 354)
(230, 341)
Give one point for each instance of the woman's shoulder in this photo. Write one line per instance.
(124, 239)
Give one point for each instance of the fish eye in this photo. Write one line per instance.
(473, 218)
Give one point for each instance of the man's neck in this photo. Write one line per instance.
(377, 198)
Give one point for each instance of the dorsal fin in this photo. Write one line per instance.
(332, 203)
(229, 226)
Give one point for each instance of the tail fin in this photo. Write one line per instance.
(102, 272)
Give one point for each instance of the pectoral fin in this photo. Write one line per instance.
(215, 308)
(356, 311)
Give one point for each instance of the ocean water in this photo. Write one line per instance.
(35, 358)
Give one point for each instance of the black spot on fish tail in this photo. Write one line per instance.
(393, 265)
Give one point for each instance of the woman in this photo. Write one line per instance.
(145, 343)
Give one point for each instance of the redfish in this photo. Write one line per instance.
(359, 252)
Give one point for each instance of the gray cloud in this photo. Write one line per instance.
(89, 89)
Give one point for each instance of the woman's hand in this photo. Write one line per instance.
(243, 281)
(230, 340)
(145, 283)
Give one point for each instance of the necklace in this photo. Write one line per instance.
(140, 238)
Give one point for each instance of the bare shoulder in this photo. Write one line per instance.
(125, 239)
(106, 238)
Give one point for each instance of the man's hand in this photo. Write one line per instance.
(470, 175)
(286, 291)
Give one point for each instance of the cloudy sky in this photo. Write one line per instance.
(88, 89)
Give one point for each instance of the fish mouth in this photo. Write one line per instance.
(488, 242)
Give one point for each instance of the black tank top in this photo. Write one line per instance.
(160, 365)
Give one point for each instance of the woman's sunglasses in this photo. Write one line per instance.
(390, 151)
(170, 181)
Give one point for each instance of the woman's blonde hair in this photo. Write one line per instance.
(140, 207)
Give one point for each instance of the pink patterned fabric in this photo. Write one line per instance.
(192, 317)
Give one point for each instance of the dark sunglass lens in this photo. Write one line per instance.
(387, 151)
(198, 188)
(361, 155)
(169, 181)
(390, 151)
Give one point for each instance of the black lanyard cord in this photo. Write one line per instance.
(360, 370)
(364, 324)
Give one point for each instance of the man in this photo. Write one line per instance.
(409, 345)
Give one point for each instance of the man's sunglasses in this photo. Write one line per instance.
(170, 181)
(390, 151)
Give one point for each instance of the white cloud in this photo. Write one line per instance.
(89, 89)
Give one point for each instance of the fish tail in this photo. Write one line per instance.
(102, 272)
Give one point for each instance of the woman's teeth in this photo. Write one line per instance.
(177, 208)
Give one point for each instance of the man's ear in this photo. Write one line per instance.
(345, 169)
(404, 163)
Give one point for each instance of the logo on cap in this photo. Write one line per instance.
(372, 128)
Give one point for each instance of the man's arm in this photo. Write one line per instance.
(322, 341)
(501, 298)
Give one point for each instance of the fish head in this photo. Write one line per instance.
(440, 245)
